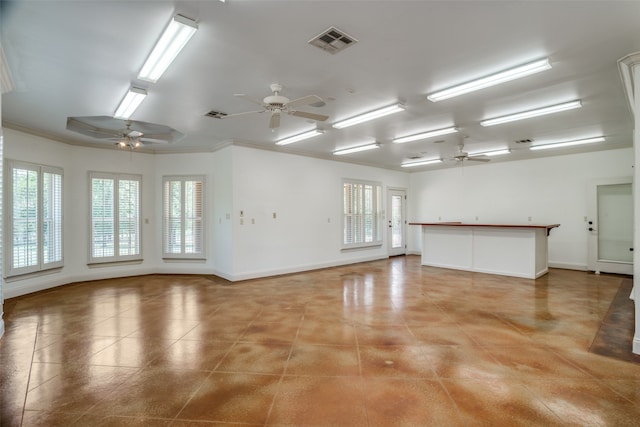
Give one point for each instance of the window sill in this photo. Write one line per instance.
(360, 247)
(32, 274)
(113, 263)
(198, 260)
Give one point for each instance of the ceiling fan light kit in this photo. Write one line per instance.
(130, 143)
(425, 135)
(357, 149)
(568, 143)
(130, 103)
(492, 80)
(300, 137)
(369, 116)
(171, 42)
(533, 113)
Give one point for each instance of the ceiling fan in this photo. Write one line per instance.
(125, 133)
(277, 105)
(462, 156)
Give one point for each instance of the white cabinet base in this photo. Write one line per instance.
(505, 250)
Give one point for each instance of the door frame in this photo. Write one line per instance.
(593, 263)
(391, 251)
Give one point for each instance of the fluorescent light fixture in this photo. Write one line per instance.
(425, 135)
(491, 153)
(421, 163)
(174, 38)
(533, 113)
(568, 143)
(129, 103)
(357, 149)
(492, 80)
(300, 137)
(369, 116)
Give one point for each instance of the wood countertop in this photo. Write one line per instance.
(462, 224)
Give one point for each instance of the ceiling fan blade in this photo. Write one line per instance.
(248, 98)
(312, 116)
(167, 136)
(153, 141)
(91, 128)
(274, 122)
(305, 100)
(241, 114)
(105, 127)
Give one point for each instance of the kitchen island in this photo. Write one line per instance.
(518, 250)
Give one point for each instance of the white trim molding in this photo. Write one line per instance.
(629, 67)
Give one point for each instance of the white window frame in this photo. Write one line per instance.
(56, 220)
(354, 218)
(116, 257)
(182, 252)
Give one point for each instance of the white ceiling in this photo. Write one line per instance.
(78, 58)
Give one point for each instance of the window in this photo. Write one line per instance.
(182, 230)
(115, 217)
(362, 218)
(34, 233)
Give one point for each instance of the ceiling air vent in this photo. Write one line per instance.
(333, 40)
(215, 114)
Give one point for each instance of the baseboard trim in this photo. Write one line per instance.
(301, 268)
(16, 289)
(568, 266)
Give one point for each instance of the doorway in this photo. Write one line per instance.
(610, 227)
(396, 231)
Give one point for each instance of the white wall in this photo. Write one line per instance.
(76, 163)
(549, 190)
(2, 89)
(216, 168)
(306, 196)
(304, 193)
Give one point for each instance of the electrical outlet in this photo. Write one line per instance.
(529, 219)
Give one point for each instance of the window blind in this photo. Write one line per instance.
(34, 238)
(183, 217)
(115, 217)
(361, 213)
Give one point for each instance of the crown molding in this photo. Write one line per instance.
(627, 67)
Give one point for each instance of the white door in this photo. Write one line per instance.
(610, 227)
(396, 222)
